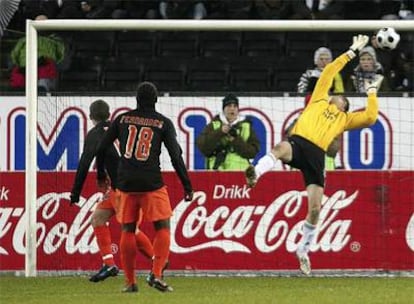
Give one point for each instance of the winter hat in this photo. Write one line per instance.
(147, 93)
(319, 52)
(229, 99)
(370, 51)
(99, 110)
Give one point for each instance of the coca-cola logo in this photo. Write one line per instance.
(195, 225)
(225, 228)
(409, 233)
(75, 236)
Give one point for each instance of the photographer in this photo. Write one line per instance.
(228, 142)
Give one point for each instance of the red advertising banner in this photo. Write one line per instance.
(367, 222)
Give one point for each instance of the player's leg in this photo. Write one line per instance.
(128, 216)
(312, 165)
(161, 253)
(128, 250)
(157, 209)
(144, 244)
(315, 194)
(99, 222)
(282, 151)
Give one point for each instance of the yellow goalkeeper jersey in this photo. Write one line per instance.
(321, 122)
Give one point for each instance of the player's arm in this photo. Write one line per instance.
(325, 81)
(110, 135)
(87, 156)
(175, 152)
(369, 115)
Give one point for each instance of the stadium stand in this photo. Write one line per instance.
(178, 44)
(252, 73)
(122, 74)
(166, 73)
(208, 74)
(262, 44)
(140, 44)
(202, 61)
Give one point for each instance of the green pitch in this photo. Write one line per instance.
(210, 290)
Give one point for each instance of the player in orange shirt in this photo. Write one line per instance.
(324, 118)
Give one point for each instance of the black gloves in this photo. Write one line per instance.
(74, 199)
(188, 196)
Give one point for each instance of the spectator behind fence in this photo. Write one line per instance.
(368, 69)
(228, 142)
(277, 9)
(318, 9)
(307, 81)
(228, 9)
(98, 9)
(402, 77)
(186, 9)
(136, 10)
(51, 51)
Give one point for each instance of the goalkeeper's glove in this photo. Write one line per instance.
(373, 85)
(359, 42)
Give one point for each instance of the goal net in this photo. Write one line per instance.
(226, 219)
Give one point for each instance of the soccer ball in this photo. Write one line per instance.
(387, 38)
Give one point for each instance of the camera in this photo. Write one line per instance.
(233, 132)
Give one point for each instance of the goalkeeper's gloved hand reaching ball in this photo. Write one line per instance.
(359, 42)
(373, 85)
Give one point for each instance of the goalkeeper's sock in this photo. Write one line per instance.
(144, 245)
(309, 232)
(265, 164)
(103, 239)
(161, 251)
(128, 256)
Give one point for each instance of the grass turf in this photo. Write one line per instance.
(223, 290)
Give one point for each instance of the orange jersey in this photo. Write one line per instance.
(321, 122)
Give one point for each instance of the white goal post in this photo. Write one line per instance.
(32, 28)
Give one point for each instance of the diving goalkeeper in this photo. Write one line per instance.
(324, 118)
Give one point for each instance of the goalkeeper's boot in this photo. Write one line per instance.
(104, 273)
(158, 283)
(251, 177)
(130, 288)
(304, 262)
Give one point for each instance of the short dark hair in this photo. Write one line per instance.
(99, 110)
(147, 93)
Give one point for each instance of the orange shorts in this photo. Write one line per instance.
(155, 206)
(111, 202)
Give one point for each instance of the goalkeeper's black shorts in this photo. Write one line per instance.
(309, 159)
